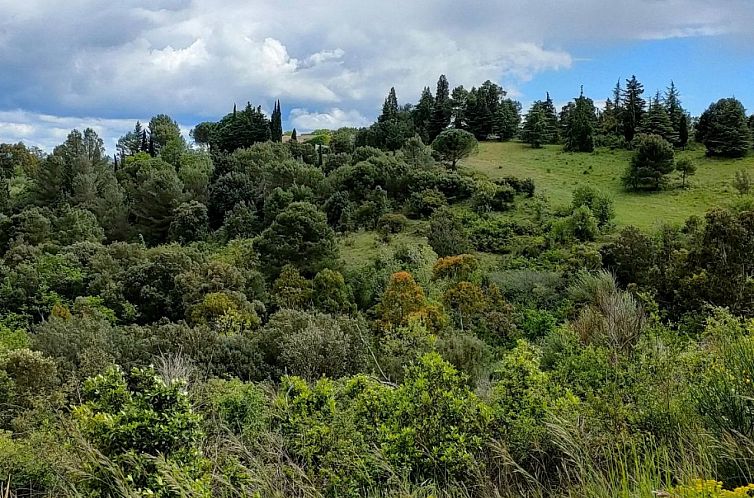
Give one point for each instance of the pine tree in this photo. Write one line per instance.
(633, 108)
(617, 110)
(672, 103)
(144, 142)
(458, 106)
(723, 129)
(656, 121)
(551, 120)
(442, 110)
(580, 124)
(422, 113)
(389, 108)
(536, 130)
(507, 119)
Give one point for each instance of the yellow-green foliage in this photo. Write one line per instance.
(709, 488)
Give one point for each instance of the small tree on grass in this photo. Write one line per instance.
(686, 168)
(742, 182)
(653, 160)
(454, 145)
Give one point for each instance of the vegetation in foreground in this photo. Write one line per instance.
(366, 315)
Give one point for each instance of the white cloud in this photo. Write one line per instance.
(194, 58)
(304, 121)
(46, 131)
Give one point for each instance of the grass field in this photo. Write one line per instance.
(557, 173)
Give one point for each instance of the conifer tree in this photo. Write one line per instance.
(422, 113)
(551, 120)
(683, 131)
(276, 124)
(389, 108)
(442, 109)
(458, 106)
(536, 130)
(656, 121)
(672, 103)
(294, 136)
(144, 142)
(633, 108)
(580, 124)
(723, 129)
(507, 119)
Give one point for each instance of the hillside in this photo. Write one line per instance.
(556, 174)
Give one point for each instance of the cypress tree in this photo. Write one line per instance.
(633, 108)
(294, 137)
(276, 123)
(442, 110)
(683, 131)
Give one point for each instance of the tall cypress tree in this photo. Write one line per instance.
(442, 110)
(276, 124)
(683, 131)
(633, 108)
(294, 137)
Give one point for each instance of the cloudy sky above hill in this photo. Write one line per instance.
(105, 64)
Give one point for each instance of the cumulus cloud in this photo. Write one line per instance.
(331, 61)
(303, 120)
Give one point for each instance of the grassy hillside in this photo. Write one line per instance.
(557, 173)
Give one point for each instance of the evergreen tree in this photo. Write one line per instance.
(458, 106)
(656, 121)
(422, 113)
(507, 119)
(683, 131)
(751, 127)
(536, 130)
(442, 110)
(294, 137)
(240, 129)
(672, 103)
(390, 107)
(144, 142)
(723, 129)
(633, 108)
(551, 120)
(653, 160)
(580, 124)
(479, 119)
(130, 143)
(276, 123)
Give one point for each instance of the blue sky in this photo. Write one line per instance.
(703, 68)
(331, 62)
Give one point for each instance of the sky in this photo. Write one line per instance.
(102, 64)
